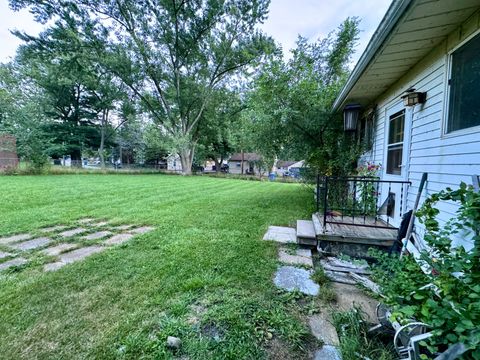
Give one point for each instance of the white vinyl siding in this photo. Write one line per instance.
(448, 159)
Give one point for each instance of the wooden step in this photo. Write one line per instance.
(317, 225)
(306, 233)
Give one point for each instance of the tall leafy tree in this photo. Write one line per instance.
(171, 53)
(290, 102)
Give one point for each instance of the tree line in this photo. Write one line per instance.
(152, 77)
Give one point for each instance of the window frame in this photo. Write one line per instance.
(393, 116)
(446, 99)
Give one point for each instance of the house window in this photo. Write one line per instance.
(463, 106)
(395, 143)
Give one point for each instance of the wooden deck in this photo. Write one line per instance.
(353, 233)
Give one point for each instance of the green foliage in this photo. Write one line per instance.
(355, 341)
(290, 103)
(447, 298)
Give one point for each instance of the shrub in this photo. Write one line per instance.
(447, 298)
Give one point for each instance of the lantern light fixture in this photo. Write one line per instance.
(412, 97)
(351, 113)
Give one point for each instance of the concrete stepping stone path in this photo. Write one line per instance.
(281, 234)
(291, 278)
(141, 230)
(122, 227)
(72, 232)
(97, 235)
(31, 244)
(118, 239)
(57, 250)
(73, 256)
(13, 262)
(4, 255)
(321, 326)
(328, 352)
(300, 257)
(52, 228)
(14, 238)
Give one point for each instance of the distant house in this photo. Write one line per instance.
(416, 91)
(174, 163)
(250, 163)
(292, 167)
(8, 152)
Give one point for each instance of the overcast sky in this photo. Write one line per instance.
(288, 18)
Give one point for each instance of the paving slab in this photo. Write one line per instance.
(13, 262)
(321, 326)
(14, 238)
(85, 220)
(97, 235)
(118, 239)
(73, 256)
(101, 223)
(122, 227)
(306, 233)
(4, 255)
(291, 278)
(281, 234)
(339, 277)
(300, 257)
(60, 248)
(52, 228)
(328, 352)
(72, 232)
(350, 296)
(31, 244)
(141, 230)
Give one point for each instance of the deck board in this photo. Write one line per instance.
(352, 233)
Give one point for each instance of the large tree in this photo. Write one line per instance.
(290, 102)
(171, 53)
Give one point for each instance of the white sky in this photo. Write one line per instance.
(288, 18)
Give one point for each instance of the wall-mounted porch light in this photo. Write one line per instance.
(351, 113)
(412, 97)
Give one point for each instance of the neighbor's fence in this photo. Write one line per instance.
(360, 201)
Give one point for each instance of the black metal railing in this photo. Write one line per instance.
(360, 201)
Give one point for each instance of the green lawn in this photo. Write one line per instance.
(203, 274)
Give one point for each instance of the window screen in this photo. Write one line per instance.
(395, 143)
(464, 102)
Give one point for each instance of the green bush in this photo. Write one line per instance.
(448, 297)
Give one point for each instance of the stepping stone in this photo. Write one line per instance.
(122, 227)
(13, 262)
(281, 234)
(31, 244)
(53, 228)
(301, 257)
(328, 352)
(291, 278)
(85, 221)
(57, 250)
(306, 233)
(97, 235)
(322, 328)
(118, 239)
(317, 224)
(4, 255)
(73, 256)
(339, 277)
(72, 232)
(101, 223)
(141, 230)
(14, 238)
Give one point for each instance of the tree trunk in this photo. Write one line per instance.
(243, 158)
(186, 158)
(218, 165)
(102, 141)
(76, 157)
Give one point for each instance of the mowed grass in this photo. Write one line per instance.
(203, 274)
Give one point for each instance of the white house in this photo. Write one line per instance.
(174, 163)
(283, 167)
(250, 163)
(431, 48)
